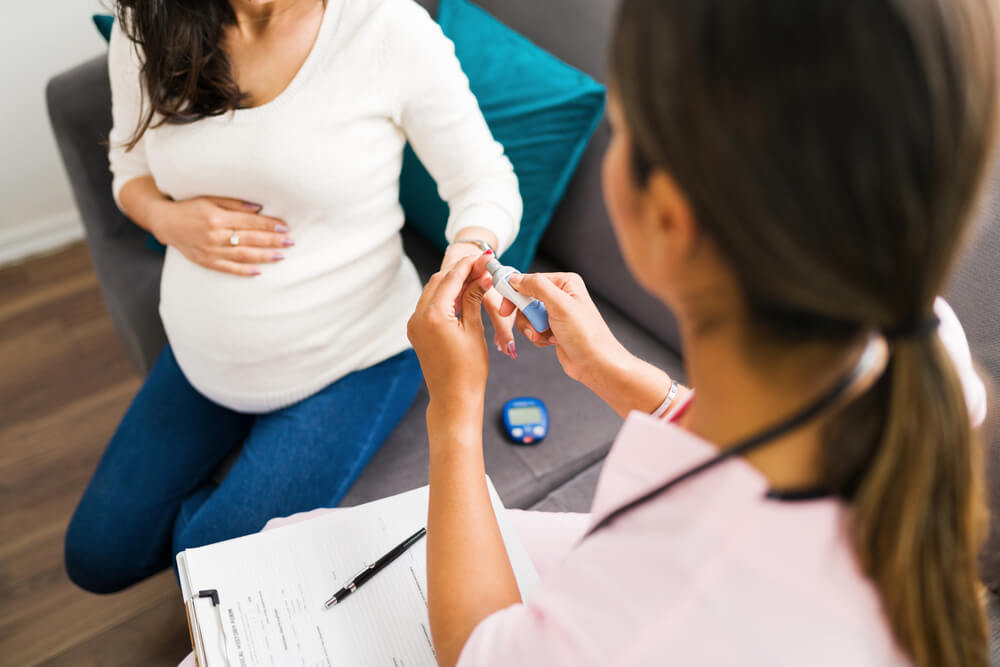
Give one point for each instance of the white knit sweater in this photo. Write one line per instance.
(325, 157)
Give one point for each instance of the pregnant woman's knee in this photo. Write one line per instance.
(87, 565)
(104, 552)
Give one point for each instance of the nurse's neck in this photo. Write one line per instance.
(743, 388)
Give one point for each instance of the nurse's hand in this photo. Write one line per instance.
(585, 346)
(204, 229)
(583, 341)
(446, 331)
(503, 326)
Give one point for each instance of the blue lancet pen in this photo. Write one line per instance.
(533, 309)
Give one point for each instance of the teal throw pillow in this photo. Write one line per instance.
(104, 23)
(540, 109)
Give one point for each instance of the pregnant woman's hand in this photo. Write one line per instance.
(222, 234)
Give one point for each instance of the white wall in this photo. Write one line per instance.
(38, 38)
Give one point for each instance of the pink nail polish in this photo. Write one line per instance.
(256, 208)
(277, 257)
(512, 350)
(281, 228)
(288, 243)
(488, 252)
(499, 349)
(255, 272)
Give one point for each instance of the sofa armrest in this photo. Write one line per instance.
(79, 106)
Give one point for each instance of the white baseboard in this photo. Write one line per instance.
(35, 237)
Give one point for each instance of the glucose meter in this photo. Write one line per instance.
(526, 420)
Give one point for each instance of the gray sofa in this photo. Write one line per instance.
(561, 472)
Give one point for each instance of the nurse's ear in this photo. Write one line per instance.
(669, 231)
(670, 217)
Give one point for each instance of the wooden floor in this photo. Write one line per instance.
(64, 384)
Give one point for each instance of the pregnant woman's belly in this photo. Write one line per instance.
(259, 344)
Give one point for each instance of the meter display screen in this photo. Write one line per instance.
(520, 416)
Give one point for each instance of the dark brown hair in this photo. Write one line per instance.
(186, 75)
(833, 151)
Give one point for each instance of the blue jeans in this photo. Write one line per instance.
(152, 496)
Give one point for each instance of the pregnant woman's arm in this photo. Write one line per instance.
(444, 125)
(199, 228)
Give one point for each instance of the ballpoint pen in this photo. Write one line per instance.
(371, 570)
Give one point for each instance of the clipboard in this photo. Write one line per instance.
(206, 628)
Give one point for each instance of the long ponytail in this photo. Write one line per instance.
(917, 516)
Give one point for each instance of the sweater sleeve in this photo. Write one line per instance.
(443, 123)
(127, 104)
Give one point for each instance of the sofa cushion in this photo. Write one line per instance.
(576, 495)
(582, 427)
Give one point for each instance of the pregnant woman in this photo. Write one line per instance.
(261, 141)
(794, 180)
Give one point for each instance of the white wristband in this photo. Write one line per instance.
(668, 401)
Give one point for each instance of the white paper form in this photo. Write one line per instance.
(272, 586)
